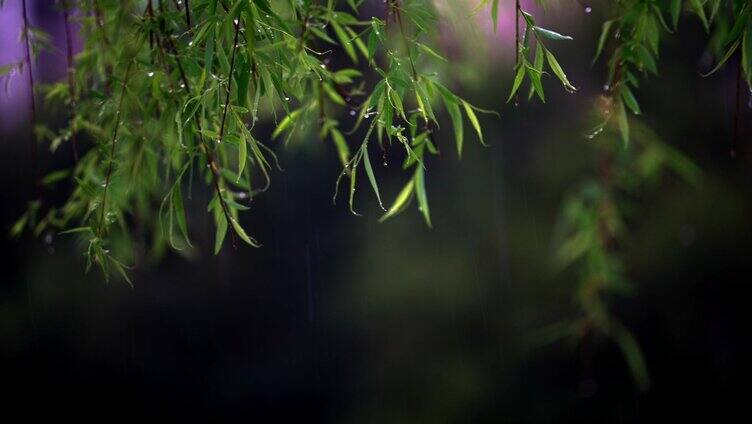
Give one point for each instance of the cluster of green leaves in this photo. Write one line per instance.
(531, 63)
(594, 218)
(165, 94)
(593, 225)
(636, 31)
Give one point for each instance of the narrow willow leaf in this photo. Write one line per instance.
(556, 68)
(54, 177)
(536, 86)
(285, 123)
(623, 123)
(219, 237)
(453, 109)
(473, 120)
(725, 57)
(369, 172)
(633, 354)
(242, 157)
(344, 40)
(646, 59)
(495, 13)
(602, 39)
(179, 210)
(742, 21)
(242, 234)
(342, 149)
(518, 78)
(353, 176)
(401, 202)
(551, 35)
(699, 9)
(676, 6)
(420, 192)
(424, 48)
(630, 100)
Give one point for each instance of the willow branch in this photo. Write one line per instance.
(108, 177)
(71, 83)
(33, 107)
(229, 79)
(211, 159)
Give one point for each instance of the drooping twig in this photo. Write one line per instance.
(188, 14)
(108, 176)
(229, 78)
(209, 156)
(33, 107)
(71, 84)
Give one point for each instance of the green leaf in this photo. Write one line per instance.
(402, 200)
(551, 35)
(453, 109)
(219, 238)
(495, 13)
(342, 149)
(556, 68)
(420, 192)
(676, 6)
(177, 204)
(473, 120)
(518, 78)
(623, 123)
(285, 123)
(725, 57)
(242, 234)
(424, 48)
(242, 157)
(630, 100)
(54, 177)
(369, 172)
(344, 40)
(602, 39)
(699, 9)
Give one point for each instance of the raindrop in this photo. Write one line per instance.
(588, 9)
(150, 74)
(352, 112)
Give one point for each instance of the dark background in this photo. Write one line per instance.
(340, 318)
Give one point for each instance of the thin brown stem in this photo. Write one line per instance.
(33, 107)
(188, 15)
(108, 176)
(398, 17)
(209, 156)
(71, 83)
(229, 79)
